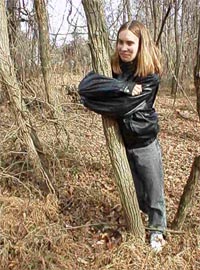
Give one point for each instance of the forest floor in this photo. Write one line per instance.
(81, 226)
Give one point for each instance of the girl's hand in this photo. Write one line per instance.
(137, 90)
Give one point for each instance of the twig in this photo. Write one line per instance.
(93, 225)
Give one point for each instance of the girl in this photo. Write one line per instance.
(129, 98)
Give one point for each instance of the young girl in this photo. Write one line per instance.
(129, 97)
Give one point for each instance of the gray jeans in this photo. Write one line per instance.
(147, 171)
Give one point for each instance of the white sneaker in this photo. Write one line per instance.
(157, 241)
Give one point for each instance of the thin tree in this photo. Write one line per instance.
(13, 18)
(13, 25)
(44, 46)
(9, 82)
(178, 43)
(99, 46)
(197, 73)
(154, 13)
(126, 11)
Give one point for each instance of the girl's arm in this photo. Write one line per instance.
(98, 86)
(108, 96)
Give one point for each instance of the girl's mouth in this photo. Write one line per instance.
(124, 54)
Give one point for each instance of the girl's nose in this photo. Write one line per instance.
(124, 47)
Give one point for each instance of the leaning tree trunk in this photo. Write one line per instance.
(99, 46)
(44, 47)
(193, 181)
(188, 194)
(10, 85)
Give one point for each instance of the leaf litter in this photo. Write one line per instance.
(82, 226)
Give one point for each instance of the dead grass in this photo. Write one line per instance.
(82, 226)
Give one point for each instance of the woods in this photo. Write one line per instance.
(66, 193)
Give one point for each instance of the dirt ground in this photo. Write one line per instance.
(81, 226)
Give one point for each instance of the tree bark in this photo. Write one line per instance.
(13, 25)
(188, 193)
(100, 48)
(128, 8)
(10, 85)
(13, 8)
(178, 40)
(154, 12)
(197, 74)
(44, 47)
(126, 11)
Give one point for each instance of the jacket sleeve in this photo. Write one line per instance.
(107, 96)
(98, 87)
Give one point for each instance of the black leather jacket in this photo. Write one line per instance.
(137, 119)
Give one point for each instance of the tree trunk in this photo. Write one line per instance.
(13, 8)
(99, 46)
(10, 85)
(197, 73)
(188, 194)
(175, 78)
(153, 7)
(124, 11)
(127, 16)
(44, 47)
(13, 25)
(128, 8)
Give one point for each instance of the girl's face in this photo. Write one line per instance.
(127, 45)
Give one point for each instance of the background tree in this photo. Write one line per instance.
(197, 73)
(13, 25)
(178, 44)
(44, 47)
(127, 16)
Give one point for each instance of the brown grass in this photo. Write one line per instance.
(82, 226)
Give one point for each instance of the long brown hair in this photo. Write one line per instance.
(148, 56)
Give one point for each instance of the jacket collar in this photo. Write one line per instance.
(128, 67)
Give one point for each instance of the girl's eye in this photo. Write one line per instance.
(129, 43)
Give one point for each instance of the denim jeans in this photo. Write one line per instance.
(146, 167)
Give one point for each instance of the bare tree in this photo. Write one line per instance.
(154, 12)
(127, 10)
(13, 24)
(10, 85)
(197, 73)
(178, 44)
(99, 46)
(186, 198)
(44, 46)
(13, 15)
